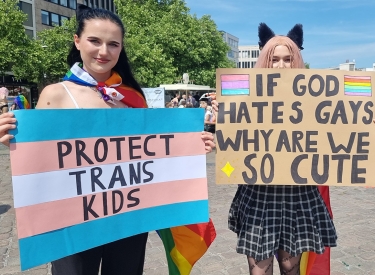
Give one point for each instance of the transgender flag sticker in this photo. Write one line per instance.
(235, 84)
(357, 85)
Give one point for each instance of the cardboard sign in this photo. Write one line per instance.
(86, 177)
(295, 127)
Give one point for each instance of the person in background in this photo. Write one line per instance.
(191, 100)
(196, 97)
(169, 105)
(182, 103)
(209, 117)
(4, 92)
(176, 100)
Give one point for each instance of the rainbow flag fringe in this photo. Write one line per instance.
(185, 245)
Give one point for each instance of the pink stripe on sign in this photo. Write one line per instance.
(358, 77)
(45, 217)
(234, 77)
(24, 156)
(235, 84)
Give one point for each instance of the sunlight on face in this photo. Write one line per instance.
(281, 57)
(100, 45)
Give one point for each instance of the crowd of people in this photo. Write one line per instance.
(197, 101)
(263, 216)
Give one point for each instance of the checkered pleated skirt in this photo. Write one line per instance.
(292, 218)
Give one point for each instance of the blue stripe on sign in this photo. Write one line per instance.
(360, 89)
(42, 125)
(44, 248)
(235, 91)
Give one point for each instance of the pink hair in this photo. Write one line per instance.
(266, 54)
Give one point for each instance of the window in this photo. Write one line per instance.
(62, 19)
(253, 64)
(45, 17)
(27, 8)
(73, 4)
(52, 19)
(29, 33)
(55, 19)
(66, 3)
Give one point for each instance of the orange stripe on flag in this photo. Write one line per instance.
(185, 240)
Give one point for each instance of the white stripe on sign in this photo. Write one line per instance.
(57, 185)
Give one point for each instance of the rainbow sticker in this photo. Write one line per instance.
(235, 84)
(357, 85)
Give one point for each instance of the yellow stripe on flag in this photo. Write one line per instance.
(188, 243)
(182, 264)
(304, 262)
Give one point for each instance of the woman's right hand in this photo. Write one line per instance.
(7, 122)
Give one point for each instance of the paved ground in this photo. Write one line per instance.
(354, 216)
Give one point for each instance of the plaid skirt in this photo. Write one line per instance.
(292, 218)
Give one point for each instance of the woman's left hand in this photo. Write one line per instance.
(208, 139)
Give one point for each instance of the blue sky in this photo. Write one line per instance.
(334, 30)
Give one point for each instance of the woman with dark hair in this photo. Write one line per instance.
(99, 77)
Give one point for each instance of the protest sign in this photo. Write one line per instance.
(294, 127)
(155, 97)
(86, 177)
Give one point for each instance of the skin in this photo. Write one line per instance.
(281, 57)
(100, 45)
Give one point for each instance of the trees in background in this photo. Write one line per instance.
(163, 41)
(13, 38)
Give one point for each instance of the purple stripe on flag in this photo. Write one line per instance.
(234, 77)
(357, 94)
(235, 84)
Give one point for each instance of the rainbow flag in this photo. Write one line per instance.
(357, 85)
(235, 84)
(22, 102)
(185, 245)
(318, 264)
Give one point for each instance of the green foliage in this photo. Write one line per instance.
(163, 41)
(13, 39)
(46, 56)
(307, 65)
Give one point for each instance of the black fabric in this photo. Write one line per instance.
(209, 128)
(122, 257)
(291, 218)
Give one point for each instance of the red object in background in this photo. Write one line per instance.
(322, 263)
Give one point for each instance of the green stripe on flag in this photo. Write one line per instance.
(167, 239)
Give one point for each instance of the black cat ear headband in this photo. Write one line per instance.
(265, 34)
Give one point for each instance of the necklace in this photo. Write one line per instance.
(99, 91)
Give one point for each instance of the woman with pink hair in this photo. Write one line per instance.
(280, 220)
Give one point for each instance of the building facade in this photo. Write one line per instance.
(247, 56)
(232, 42)
(350, 66)
(44, 14)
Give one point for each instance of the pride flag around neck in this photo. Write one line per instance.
(185, 245)
(318, 264)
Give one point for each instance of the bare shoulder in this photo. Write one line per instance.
(52, 96)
